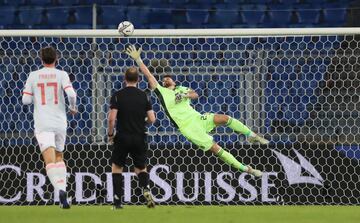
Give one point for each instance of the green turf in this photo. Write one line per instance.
(187, 214)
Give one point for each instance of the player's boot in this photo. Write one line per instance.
(64, 204)
(117, 203)
(149, 200)
(254, 172)
(259, 139)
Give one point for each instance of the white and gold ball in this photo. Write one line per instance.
(126, 28)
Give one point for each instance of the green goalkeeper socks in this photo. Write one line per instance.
(231, 160)
(238, 126)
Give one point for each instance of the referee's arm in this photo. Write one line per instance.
(112, 115)
(150, 114)
(150, 119)
(111, 121)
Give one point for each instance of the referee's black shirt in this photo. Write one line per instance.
(132, 105)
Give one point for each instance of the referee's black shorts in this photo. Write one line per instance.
(135, 145)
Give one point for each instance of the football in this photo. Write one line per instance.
(126, 28)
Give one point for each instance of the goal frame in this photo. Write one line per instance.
(112, 33)
(100, 146)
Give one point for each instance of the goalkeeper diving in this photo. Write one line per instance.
(175, 100)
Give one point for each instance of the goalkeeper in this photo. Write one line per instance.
(175, 100)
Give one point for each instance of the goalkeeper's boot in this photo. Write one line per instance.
(254, 172)
(149, 199)
(259, 139)
(64, 204)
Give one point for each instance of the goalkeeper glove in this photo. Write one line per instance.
(179, 97)
(134, 54)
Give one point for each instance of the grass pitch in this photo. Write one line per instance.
(186, 214)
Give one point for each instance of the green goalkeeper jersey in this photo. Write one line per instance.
(179, 113)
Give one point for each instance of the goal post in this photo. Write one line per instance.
(299, 87)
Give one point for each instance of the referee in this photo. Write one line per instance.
(130, 109)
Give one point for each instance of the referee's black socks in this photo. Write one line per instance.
(143, 180)
(118, 185)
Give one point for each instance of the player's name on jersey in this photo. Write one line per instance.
(47, 76)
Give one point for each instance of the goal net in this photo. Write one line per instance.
(297, 87)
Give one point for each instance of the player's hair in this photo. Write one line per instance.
(132, 75)
(167, 75)
(48, 55)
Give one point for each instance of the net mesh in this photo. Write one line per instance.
(296, 91)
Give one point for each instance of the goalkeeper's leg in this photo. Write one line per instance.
(232, 161)
(237, 126)
(196, 133)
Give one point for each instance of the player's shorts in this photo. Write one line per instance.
(51, 139)
(196, 130)
(135, 145)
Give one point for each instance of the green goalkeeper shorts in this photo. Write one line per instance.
(196, 130)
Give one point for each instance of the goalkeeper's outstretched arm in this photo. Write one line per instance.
(152, 81)
(136, 55)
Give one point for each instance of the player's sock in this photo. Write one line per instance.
(238, 126)
(62, 175)
(231, 160)
(143, 180)
(52, 173)
(144, 183)
(117, 179)
(57, 175)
